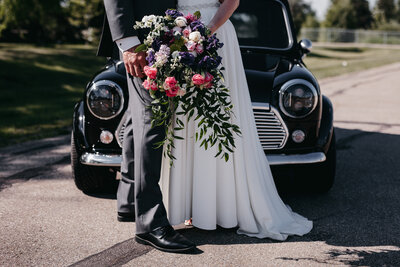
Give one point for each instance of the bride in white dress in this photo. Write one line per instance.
(238, 193)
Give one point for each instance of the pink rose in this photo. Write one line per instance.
(153, 86)
(191, 46)
(172, 92)
(199, 48)
(208, 78)
(198, 79)
(146, 84)
(150, 72)
(186, 31)
(170, 83)
(190, 18)
(181, 92)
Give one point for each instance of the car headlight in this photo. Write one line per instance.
(105, 99)
(298, 98)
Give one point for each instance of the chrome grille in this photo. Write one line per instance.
(271, 129)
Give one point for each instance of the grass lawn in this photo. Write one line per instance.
(40, 85)
(333, 61)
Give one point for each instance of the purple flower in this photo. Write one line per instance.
(213, 43)
(156, 44)
(187, 58)
(168, 38)
(173, 13)
(209, 63)
(197, 25)
(150, 57)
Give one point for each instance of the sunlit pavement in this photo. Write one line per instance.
(46, 221)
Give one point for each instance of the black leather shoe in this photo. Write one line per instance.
(126, 217)
(166, 239)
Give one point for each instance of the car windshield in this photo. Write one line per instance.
(263, 23)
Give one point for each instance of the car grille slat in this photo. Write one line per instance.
(271, 129)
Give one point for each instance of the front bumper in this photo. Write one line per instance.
(97, 159)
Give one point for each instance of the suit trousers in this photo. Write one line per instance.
(139, 188)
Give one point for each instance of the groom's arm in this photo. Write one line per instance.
(121, 20)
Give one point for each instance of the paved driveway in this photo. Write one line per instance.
(46, 221)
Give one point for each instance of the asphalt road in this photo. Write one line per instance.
(46, 221)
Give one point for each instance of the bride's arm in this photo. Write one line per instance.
(224, 12)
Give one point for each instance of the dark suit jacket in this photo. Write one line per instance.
(121, 16)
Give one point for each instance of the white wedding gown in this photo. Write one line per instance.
(240, 192)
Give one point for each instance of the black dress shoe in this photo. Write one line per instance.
(126, 217)
(166, 239)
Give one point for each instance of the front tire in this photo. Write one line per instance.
(314, 178)
(91, 179)
(320, 177)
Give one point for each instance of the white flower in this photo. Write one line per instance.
(161, 58)
(195, 36)
(177, 29)
(165, 50)
(194, 53)
(175, 54)
(181, 21)
(149, 40)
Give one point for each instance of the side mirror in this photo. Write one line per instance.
(306, 46)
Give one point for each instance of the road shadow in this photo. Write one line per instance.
(361, 210)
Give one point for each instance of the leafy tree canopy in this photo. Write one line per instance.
(349, 14)
(303, 15)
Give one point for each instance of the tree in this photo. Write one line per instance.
(32, 20)
(349, 14)
(302, 13)
(86, 17)
(386, 9)
(50, 21)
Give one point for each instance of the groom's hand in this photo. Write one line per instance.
(134, 62)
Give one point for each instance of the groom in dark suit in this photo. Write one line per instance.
(141, 163)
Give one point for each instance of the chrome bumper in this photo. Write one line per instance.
(96, 159)
(282, 159)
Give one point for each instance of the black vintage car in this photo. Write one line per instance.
(294, 120)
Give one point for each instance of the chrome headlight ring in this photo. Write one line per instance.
(304, 98)
(105, 99)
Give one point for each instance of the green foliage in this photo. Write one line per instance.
(49, 21)
(388, 26)
(39, 88)
(311, 22)
(303, 15)
(349, 14)
(386, 9)
(86, 17)
(34, 20)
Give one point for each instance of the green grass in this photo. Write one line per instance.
(332, 61)
(39, 87)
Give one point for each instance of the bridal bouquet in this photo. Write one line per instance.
(184, 78)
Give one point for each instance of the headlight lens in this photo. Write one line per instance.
(105, 99)
(298, 98)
